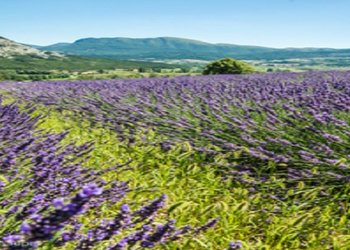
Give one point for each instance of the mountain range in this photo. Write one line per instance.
(156, 53)
(165, 48)
(17, 56)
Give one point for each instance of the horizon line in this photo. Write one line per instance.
(185, 38)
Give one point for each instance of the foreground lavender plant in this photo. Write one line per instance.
(44, 190)
(43, 228)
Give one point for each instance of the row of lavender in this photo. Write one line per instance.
(44, 190)
(294, 123)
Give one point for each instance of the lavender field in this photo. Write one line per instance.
(259, 161)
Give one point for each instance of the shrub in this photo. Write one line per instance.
(228, 66)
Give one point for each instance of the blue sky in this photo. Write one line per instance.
(273, 23)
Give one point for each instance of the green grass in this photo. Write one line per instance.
(74, 63)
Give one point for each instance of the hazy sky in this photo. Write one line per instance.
(274, 23)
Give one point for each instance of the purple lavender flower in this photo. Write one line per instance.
(90, 190)
(235, 245)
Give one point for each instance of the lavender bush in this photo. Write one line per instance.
(45, 189)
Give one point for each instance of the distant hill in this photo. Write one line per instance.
(10, 49)
(163, 48)
(16, 56)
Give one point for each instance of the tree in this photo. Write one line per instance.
(141, 70)
(228, 66)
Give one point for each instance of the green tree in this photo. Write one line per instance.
(141, 70)
(228, 66)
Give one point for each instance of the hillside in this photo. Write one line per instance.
(14, 55)
(73, 63)
(22, 62)
(11, 49)
(163, 48)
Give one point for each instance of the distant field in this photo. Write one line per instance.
(305, 64)
(261, 160)
(35, 68)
